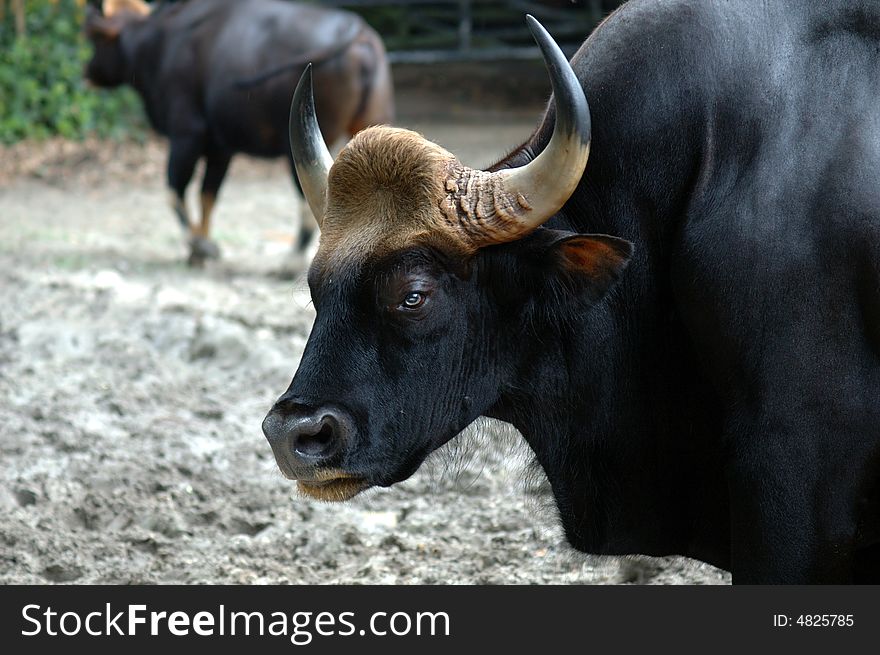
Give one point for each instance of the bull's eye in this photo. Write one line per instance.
(413, 300)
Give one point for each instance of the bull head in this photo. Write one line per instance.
(478, 208)
(428, 279)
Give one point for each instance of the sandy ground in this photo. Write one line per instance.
(132, 391)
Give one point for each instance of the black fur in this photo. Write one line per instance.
(722, 399)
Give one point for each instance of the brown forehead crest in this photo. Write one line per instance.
(385, 192)
(390, 158)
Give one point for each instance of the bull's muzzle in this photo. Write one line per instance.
(308, 445)
(304, 439)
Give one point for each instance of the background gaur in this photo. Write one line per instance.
(216, 77)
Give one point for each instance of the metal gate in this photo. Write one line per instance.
(431, 31)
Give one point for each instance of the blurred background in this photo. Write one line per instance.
(43, 51)
(132, 387)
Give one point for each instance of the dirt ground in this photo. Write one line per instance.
(132, 390)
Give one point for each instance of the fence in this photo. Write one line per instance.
(432, 31)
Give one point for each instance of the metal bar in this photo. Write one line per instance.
(473, 29)
(465, 25)
(483, 54)
(440, 56)
(543, 11)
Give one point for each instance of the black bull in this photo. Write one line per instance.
(722, 401)
(215, 77)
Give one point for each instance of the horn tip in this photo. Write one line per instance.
(534, 25)
(304, 86)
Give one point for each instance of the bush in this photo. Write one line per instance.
(42, 89)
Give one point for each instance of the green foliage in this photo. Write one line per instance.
(42, 89)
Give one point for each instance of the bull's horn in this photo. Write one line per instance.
(496, 207)
(310, 154)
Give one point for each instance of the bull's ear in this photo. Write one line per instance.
(592, 263)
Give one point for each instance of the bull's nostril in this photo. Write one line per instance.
(301, 436)
(320, 444)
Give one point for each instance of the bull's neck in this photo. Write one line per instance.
(141, 44)
(614, 409)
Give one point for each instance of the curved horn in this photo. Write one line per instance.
(549, 180)
(310, 154)
(501, 206)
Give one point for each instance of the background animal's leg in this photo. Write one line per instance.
(201, 246)
(308, 228)
(183, 156)
(308, 224)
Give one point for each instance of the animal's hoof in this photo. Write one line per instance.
(201, 249)
(195, 260)
(304, 240)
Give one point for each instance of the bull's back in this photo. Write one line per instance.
(777, 267)
(258, 36)
(250, 56)
(736, 143)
